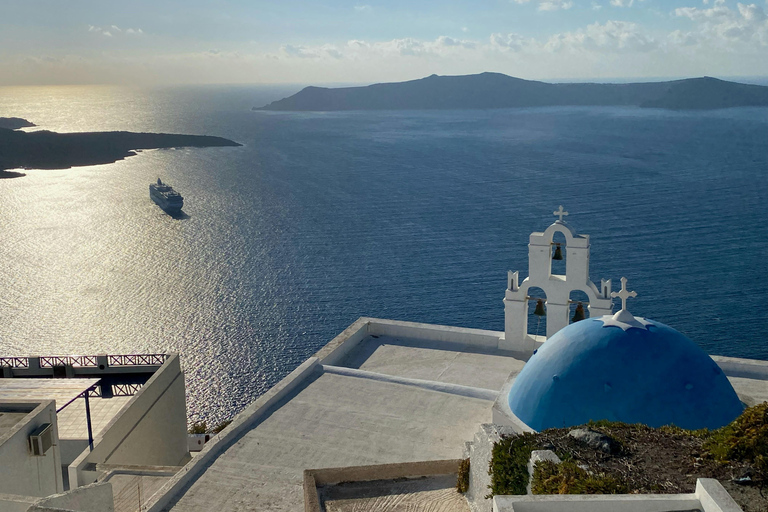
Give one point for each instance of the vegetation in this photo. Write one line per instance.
(651, 460)
(744, 440)
(462, 480)
(568, 478)
(201, 427)
(509, 464)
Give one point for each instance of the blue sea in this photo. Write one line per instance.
(321, 218)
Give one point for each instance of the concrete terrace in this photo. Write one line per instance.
(371, 396)
(381, 392)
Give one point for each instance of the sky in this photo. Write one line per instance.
(145, 42)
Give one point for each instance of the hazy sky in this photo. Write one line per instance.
(299, 41)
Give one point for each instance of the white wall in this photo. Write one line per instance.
(22, 473)
(150, 430)
(90, 498)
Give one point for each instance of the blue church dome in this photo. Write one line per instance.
(635, 372)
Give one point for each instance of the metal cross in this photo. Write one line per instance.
(560, 213)
(624, 294)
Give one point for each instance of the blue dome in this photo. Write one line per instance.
(592, 371)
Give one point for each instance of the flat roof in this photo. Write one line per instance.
(8, 420)
(72, 422)
(61, 390)
(335, 420)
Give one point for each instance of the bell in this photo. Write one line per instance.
(558, 254)
(578, 314)
(539, 311)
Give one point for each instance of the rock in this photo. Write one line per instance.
(745, 478)
(596, 440)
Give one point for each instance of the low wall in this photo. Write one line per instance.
(335, 350)
(151, 429)
(90, 498)
(443, 387)
(329, 476)
(745, 368)
(460, 335)
(710, 496)
(332, 353)
(15, 503)
(240, 424)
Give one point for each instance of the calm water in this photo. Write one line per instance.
(324, 217)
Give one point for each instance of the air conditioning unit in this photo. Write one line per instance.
(41, 440)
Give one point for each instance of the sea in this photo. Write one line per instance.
(324, 217)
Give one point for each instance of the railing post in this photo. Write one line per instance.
(88, 417)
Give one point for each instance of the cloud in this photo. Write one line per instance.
(511, 42)
(612, 36)
(549, 5)
(622, 3)
(596, 6)
(113, 29)
(305, 52)
(363, 8)
(722, 27)
(554, 5)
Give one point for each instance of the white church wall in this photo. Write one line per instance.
(21, 472)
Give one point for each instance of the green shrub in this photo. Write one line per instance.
(745, 439)
(509, 464)
(198, 427)
(221, 426)
(462, 479)
(568, 478)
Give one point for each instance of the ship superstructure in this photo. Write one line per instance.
(167, 198)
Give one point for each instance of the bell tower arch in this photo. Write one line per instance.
(557, 287)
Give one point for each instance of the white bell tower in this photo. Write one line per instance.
(557, 288)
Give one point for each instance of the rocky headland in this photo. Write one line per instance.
(50, 150)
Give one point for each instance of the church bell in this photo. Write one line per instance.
(558, 253)
(578, 314)
(539, 311)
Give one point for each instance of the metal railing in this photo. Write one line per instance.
(85, 361)
(136, 360)
(51, 361)
(125, 389)
(14, 362)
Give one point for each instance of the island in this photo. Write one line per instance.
(50, 150)
(14, 123)
(496, 90)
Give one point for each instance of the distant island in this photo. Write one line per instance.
(496, 90)
(51, 150)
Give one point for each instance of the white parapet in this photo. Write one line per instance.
(710, 496)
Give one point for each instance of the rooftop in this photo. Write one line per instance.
(381, 392)
(72, 423)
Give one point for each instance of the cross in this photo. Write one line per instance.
(624, 294)
(560, 213)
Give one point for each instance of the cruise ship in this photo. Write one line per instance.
(167, 198)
